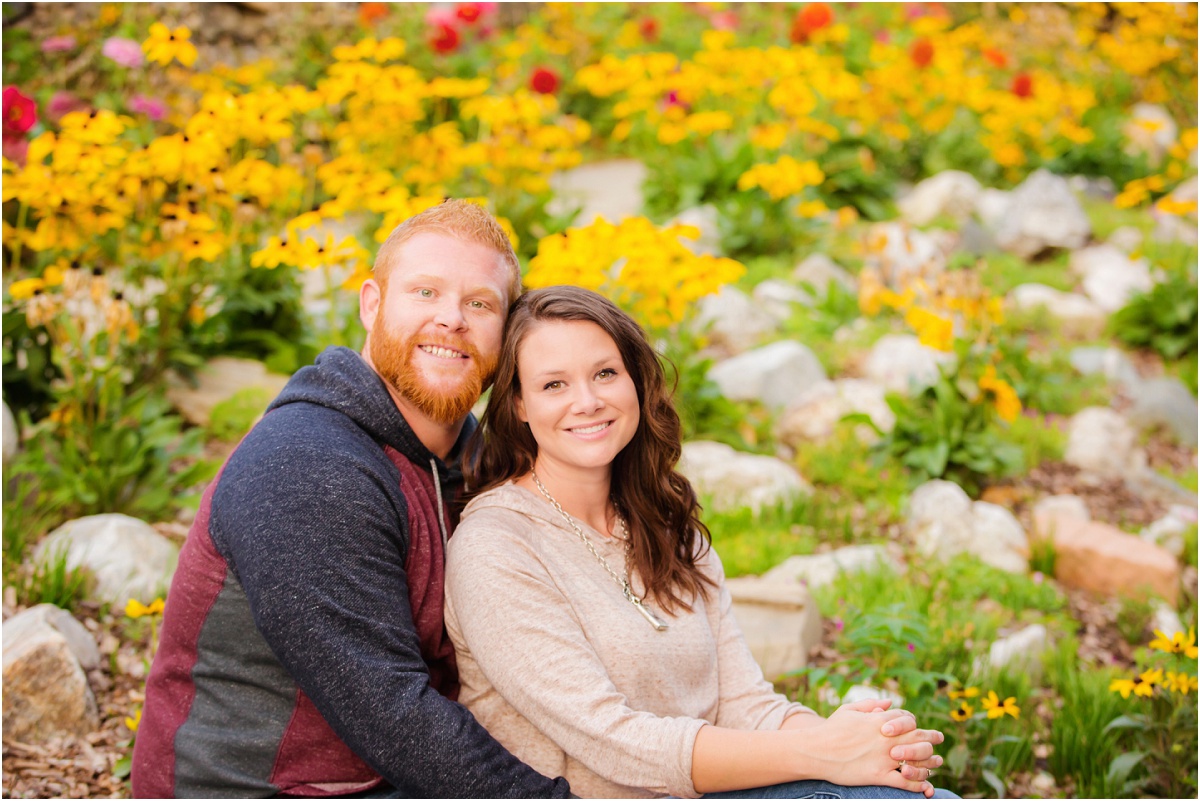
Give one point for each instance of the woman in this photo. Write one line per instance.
(592, 626)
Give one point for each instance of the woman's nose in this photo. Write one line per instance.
(587, 401)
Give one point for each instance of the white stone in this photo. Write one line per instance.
(220, 379)
(819, 271)
(127, 557)
(865, 692)
(900, 252)
(1168, 532)
(779, 298)
(1110, 278)
(1169, 228)
(817, 570)
(775, 375)
(816, 414)
(1112, 363)
(1166, 620)
(1127, 238)
(1066, 505)
(46, 692)
(992, 206)
(11, 438)
(1021, 651)
(707, 219)
(608, 189)
(780, 623)
(1065, 306)
(901, 363)
(950, 193)
(80, 642)
(1043, 213)
(1167, 403)
(735, 480)
(1100, 441)
(731, 320)
(943, 522)
(1150, 130)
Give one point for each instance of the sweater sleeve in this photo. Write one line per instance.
(748, 701)
(532, 649)
(314, 537)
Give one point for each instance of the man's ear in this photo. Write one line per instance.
(370, 295)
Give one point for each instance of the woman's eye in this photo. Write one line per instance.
(553, 385)
(607, 372)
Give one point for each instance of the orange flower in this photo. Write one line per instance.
(813, 17)
(996, 57)
(370, 13)
(922, 53)
(1022, 85)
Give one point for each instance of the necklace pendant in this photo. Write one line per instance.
(651, 618)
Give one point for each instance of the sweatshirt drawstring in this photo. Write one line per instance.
(437, 483)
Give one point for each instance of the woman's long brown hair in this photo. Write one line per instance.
(659, 504)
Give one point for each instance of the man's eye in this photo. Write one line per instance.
(477, 304)
(425, 293)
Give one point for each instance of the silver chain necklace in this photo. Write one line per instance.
(622, 580)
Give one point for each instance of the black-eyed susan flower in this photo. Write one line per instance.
(963, 712)
(135, 608)
(166, 45)
(1122, 686)
(966, 692)
(997, 709)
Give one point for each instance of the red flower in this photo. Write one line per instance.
(20, 112)
(649, 29)
(446, 40)
(813, 17)
(921, 53)
(468, 12)
(370, 13)
(997, 58)
(544, 81)
(1022, 85)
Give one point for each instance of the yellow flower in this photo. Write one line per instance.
(964, 712)
(1147, 680)
(1178, 208)
(1122, 686)
(1164, 643)
(1180, 683)
(966, 692)
(995, 709)
(166, 45)
(136, 608)
(26, 288)
(1008, 405)
(932, 331)
(132, 723)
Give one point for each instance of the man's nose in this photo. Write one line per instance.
(450, 315)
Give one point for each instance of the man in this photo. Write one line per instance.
(303, 650)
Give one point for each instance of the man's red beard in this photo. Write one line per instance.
(392, 357)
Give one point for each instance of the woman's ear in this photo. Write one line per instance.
(520, 404)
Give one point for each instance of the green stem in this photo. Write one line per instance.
(22, 215)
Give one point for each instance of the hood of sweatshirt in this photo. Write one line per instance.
(341, 380)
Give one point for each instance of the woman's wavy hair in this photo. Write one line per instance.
(659, 504)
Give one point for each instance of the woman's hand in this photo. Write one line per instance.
(859, 752)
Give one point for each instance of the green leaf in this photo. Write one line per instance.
(1128, 722)
(123, 767)
(957, 759)
(994, 781)
(1121, 766)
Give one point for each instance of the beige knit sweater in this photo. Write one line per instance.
(566, 673)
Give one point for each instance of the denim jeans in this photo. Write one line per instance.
(813, 788)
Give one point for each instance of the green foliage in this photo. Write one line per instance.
(944, 432)
(53, 581)
(28, 369)
(1002, 272)
(1044, 378)
(232, 418)
(1164, 319)
(1081, 747)
(124, 462)
(1038, 439)
(24, 521)
(846, 467)
(1133, 619)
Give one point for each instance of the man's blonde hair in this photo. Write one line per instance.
(460, 219)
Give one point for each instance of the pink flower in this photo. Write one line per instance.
(152, 107)
(724, 21)
(125, 52)
(14, 148)
(58, 44)
(62, 104)
(439, 16)
(20, 112)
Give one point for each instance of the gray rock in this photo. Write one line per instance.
(1021, 651)
(11, 439)
(900, 252)
(1168, 403)
(707, 219)
(731, 320)
(1112, 363)
(1101, 442)
(992, 207)
(127, 557)
(1169, 228)
(1150, 130)
(1127, 238)
(220, 379)
(867, 692)
(1043, 213)
(973, 238)
(1101, 188)
(79, 640)
(736, 480)
(816, 414)
(779, 298)
(950, 193)
(608, 189)
(818, 570)
(1065, 306)
(1167, 532)
(1110, 278)
(944, 522)
(1066, 505)
(46, 692)
(775, 375)
(780, 623)
(1166, 620)
(901, 363)
(820, 271)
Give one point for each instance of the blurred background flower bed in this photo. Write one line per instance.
(926, 272)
